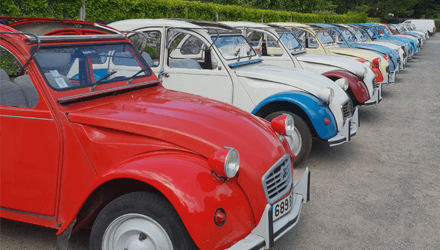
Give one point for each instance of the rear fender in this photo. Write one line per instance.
(188, 183)
(358, 88)
(314, 108)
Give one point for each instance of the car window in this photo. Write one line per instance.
(73, 66)
(186, 50)
(15, 90)
(152, 49)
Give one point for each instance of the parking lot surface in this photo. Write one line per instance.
(379, 191)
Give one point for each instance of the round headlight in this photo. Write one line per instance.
(225, 162)
(283, 124)
(343, 83)
(232, 163)
(290, 125)
(326, 95)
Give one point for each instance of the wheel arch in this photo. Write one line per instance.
(308, 107)
(162, 174)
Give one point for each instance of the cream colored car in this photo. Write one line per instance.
(318, 41)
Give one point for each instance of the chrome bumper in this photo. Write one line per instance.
(347, 132)
(376, 98)
(268, 231)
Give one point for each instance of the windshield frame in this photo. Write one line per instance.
(141, 62)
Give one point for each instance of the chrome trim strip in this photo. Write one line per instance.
(25, 117)
(27, 213)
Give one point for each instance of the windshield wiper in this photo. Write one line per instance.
(102, 79)
(137, 73)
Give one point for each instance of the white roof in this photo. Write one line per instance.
(135, 24)
(246, 24)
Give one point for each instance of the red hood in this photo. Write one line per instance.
(194, 123)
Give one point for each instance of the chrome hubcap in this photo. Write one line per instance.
(135, 232)
(295, 142)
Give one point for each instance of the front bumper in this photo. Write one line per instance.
(376, 98)
(268, 231)
(347, 132)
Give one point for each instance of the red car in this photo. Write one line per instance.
(86, 144)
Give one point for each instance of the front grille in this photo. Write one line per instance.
(375, 84)
(347, 109)
(278, 180)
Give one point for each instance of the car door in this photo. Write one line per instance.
(29, 144)
(187, 68)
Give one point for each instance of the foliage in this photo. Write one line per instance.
(129, 9)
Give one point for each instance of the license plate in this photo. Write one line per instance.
(282, 207)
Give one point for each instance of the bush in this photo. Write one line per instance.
(129, 9)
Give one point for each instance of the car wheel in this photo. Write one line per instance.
(139, 220)
(301, 139)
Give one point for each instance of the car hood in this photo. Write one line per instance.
(349, 64)
(192, 123)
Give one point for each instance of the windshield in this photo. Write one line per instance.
(233, 47)
(363, 35)
(75, 66)
(348, 35)
(325, 37)
(290, 41)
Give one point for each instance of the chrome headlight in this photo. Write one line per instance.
(343, 83)
(232, 163)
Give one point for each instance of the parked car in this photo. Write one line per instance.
(363, 37)
(425, 24)
(214, 60)
(279, 47)
(145, 167)
(345, 38)
(318, 40)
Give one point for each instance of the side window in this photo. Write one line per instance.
(152, 51)
(273, 46)
(15, 90)
(188, 51)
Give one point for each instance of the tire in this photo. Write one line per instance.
(134, 220)
(302, 132)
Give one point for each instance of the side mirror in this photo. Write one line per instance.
(139, 40)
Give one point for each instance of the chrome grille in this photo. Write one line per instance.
(347, 109)
(278, 180)
(376, 85)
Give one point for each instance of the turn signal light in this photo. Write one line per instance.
(220, 217)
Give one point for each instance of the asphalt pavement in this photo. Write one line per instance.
(379, 191)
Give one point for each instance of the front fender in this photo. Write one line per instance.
(358, 88)
(187, 182)
(314, 108)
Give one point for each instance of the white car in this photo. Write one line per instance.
(279, 47)
(214, 60)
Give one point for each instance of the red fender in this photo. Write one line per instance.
(187, 182)
(375, 69)
(357, 86)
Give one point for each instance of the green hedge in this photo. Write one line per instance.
(126, 9)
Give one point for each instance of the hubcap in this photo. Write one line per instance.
(135, 232)
(295, 142)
